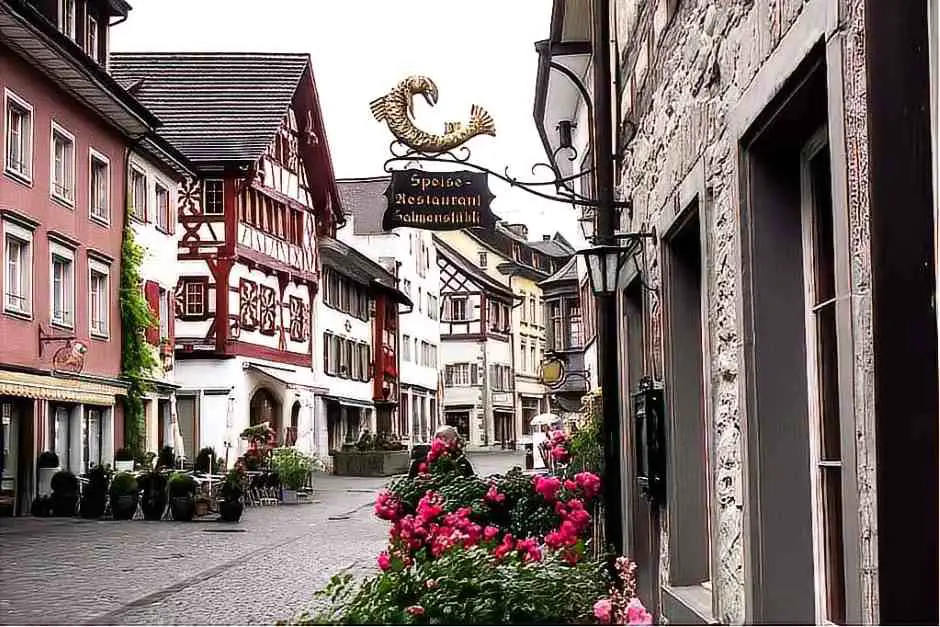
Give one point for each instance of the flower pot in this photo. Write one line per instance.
(92, 506)
(288, 497)
(63, 505)
(42, 506)
(123, 506)
(183, 508)
(230, 510)
(44, 481)
(153, 506)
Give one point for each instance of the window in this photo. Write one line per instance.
(406, 287)
(99, 191)
(60, 435)
(62, 165)
(164, 219)
(482, 259)
(213, 201)
(457, 374)
(63, 286)
(420, 300)
(458, 308)
(432, 307)
(524, 352)
(532, 317)
(558, 335)
(406, 347)
(67, 18)
(330, 354)
(91, 38)
(138, 194)
(195, 295)
(18, 262)
(574, 322)
(533, 364)
(18, 159)
(92, 437)
(98, 301)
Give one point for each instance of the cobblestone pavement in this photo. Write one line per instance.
(265, 568)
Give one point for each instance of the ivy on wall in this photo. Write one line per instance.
(137, 359)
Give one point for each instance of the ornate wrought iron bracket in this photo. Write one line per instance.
(45, 338)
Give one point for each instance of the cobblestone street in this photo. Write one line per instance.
(266, 568)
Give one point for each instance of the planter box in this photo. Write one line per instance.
(370, 463)
(44, 481)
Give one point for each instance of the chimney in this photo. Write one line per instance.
(519, 229)
(546, 238)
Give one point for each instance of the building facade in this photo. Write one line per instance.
(250, 220)
(154, 173)
(358, 345)
(476, 347)
(785, 309)
(410, 255)
(66, 126)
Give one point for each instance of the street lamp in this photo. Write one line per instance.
(586, 222)
(605, 265)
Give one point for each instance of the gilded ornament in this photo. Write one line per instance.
(396, 109)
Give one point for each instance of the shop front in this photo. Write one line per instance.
(75, 417)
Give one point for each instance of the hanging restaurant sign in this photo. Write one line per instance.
(438, 201)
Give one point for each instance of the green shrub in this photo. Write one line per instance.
(181, 484)
(124, 483)
(293, 467)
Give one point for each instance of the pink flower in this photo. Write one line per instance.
(547, 486)
(602, 611)
(423, 467)
(493, 495)
(415, 610)
(384, 561)
(589, 483)
(490, 532)
(559, 454)
(387, 506)
(430, 584)
(637, 614)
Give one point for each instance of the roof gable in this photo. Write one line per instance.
(215, 107)
(364, 199)
(456, 270)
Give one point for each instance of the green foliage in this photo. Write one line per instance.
(181, 484)
(468, 587)
(137, 359)
(293, 467)
(123, 483)
(586, 448)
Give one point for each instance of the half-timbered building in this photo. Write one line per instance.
(66, 125)
(357, 341)
(476, 347)
(248, 223)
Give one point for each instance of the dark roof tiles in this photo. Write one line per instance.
(215, 107)
(365, 200)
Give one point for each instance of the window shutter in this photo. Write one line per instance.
(171, 313)
(494, 378)
(326, 353)
(474, 374)
(448, 376)
(152, 294)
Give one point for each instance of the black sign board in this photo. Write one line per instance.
(438, 201)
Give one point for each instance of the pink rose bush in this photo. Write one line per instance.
(623, 607)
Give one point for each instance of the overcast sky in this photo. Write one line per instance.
(477, 51)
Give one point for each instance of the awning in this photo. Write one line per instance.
(291, 378)
(349, 402)
(46, 387)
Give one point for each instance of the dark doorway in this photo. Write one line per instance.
(781, 485)
(334, 426)
(17, 456)
(290, 438)
(265, 407)
(186, 416)
(460, 420)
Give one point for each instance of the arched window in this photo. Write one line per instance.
(265, 407)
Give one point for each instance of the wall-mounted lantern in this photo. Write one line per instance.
(564, 133)
(649, 440)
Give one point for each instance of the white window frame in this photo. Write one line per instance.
(169, 224)
(25, 236)
(164, 312)
(69, 30)
(93, 156)
(466, 307)
(10, 99)
(203, 296)
(205, 195)
(464, 369)
(91, 47)
(406, 347)
(135, 169)
(68, 198)
(57, 250)
(97, 267)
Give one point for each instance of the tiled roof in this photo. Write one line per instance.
(568, 272)
(364, 199)
(552, 247)
(353, 264)
(472, 271)
(215, 107)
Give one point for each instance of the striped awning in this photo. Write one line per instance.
(63, 389)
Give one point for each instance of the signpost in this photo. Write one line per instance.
(438, 201)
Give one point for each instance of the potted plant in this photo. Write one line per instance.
(95, 495)
(206, 461)
(166, 458)
(64, 493)
(153, 494)
(47, 465)
(293, 469)
(123, 460)
(124, 495)
(230, 496)
(182, 491)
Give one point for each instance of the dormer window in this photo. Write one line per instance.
(213, 198)
(91, 38)
(67, 18)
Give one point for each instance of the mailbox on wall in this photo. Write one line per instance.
(649, 440)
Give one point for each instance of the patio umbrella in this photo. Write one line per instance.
(178, 444)
(545, 419)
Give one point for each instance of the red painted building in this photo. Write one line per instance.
(66, 126)
(264, 191)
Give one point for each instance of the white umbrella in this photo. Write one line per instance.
(545, 419)
(178, 445)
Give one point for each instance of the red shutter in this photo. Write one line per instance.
(171, 312)
(152, 294)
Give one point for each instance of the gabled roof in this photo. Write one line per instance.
(364, 199)
(215, 107)
(558, 246)
(445, 251)
(352, 264)
(567, 273)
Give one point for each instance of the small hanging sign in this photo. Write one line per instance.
(438, 201)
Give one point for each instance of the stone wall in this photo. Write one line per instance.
(706, 57)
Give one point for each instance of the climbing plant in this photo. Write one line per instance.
(137, 358)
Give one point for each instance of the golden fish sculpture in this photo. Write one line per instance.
(396, 109)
